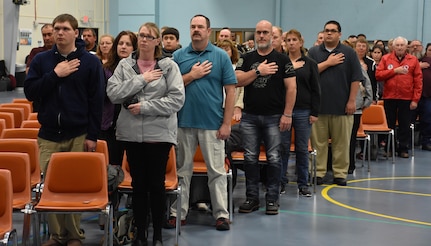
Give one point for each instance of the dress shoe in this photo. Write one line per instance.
(403, 155)
(340, 181)
(350, 171)
(426, 147)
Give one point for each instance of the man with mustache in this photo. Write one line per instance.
(207, 74)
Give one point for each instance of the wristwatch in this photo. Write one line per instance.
(257, 72)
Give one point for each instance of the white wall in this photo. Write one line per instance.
(34, 16)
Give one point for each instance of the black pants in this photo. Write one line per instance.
(352, 154)
(399, 110)
(147, 162)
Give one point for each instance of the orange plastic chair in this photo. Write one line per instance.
(7, 233)
(29, 133)
(2, 125)
(9, 119)
(30, 124)
(76, 182)
(32, 116)
(25, 106)
(28, 146)
(19, 166)
(172, 187)
(374, 123)
(102, 147)
(200, 169)
(18, 115)
(23, 100)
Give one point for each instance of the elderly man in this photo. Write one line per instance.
(402, 88)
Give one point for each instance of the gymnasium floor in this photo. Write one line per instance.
(387, 206)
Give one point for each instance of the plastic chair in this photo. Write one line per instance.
(19, 166)
(2, 125)
(76, 182)
(32, 116)
(7, 233)
(102, 147)
(23, 100)
(28, 146)
(29, 133)
(30, 124)
(361, 135)
(9, 119)
(18, 115)
(374, 123)
(172, 186)
(25, 106)
(200, 168)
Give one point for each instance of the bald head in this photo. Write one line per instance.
(263, 35)
(224, 34)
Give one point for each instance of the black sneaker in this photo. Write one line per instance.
(271, 208)
(249, 206)
(303, 191)
(282, 189)
(222, 224)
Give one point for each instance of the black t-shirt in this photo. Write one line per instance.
(266, 94)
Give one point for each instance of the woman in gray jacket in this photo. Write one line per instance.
(151, 91)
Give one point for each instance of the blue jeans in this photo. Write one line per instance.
(254, 130)
(424, 109)
(302, 126)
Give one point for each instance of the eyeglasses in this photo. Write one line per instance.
(330, 30)
(147, 37)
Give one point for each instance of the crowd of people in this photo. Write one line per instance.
(144, 94)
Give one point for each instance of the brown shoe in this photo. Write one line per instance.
(74, 242)
(52, 242)
(404, 155)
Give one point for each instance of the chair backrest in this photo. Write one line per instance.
(6, 201)
(2, 125)
(23, 100)
(25, 106)
(374, 115)
(30, 124)
(102, 147)
(32, 116)
(29, 133)
(9, 119)
(171, 178)
(28, 146)
(199, 165)
(76, 172)
(18, 115)
(75, 181)
(19, 166)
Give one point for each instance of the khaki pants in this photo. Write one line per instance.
(338, 128)
(214, 154)
(62, 227)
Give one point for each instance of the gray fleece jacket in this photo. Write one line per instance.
(160, 101)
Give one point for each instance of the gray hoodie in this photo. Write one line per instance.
(160, 101)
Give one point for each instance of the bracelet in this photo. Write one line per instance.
(287, 115)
